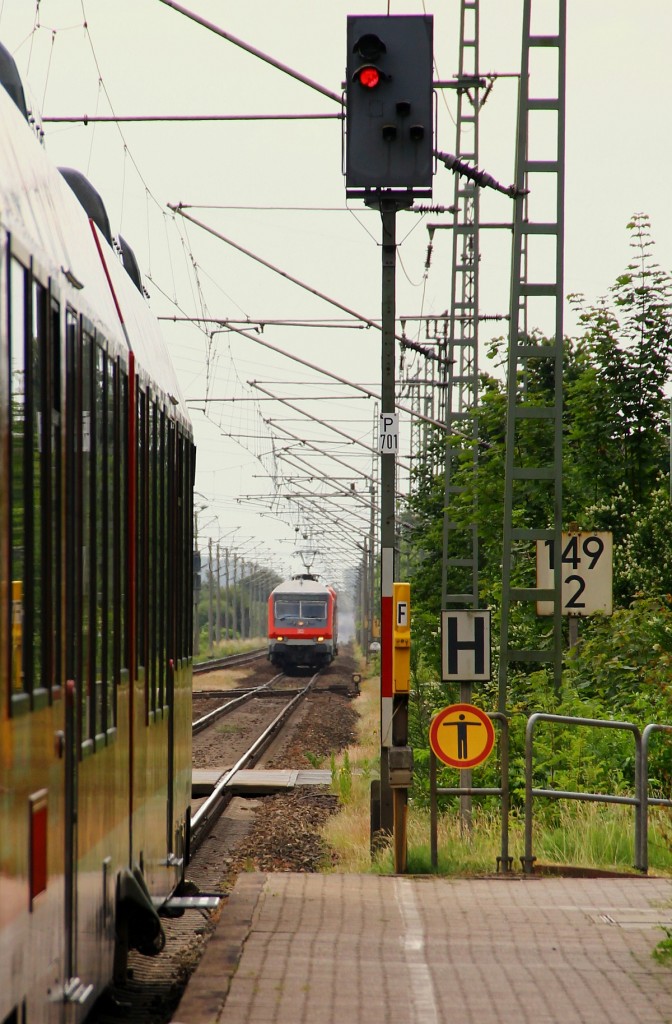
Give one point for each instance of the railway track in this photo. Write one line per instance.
(209, 811)
(230, 661)
(237, 699)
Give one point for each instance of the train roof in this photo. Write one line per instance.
(40, 210)
(300, 586)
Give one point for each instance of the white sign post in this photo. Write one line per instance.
(388, 433)
(586, 563)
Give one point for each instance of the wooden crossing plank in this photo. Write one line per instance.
(258, 780)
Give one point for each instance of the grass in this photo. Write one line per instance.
(228, 729)
(224, 648)
(585, 835)
(663, 951)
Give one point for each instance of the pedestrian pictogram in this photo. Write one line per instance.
(461, 735)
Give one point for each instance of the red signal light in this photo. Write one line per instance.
(369, 77)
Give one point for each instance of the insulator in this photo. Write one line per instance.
(422, 208)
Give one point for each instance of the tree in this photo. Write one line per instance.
(617, 428)
(616, 448)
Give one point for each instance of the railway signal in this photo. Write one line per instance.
(388, 162)
(389, 117)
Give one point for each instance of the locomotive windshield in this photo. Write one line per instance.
(296, 611)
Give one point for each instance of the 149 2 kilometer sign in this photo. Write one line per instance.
(586, 566)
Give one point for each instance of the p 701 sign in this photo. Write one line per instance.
(586, 567)
(388, 433)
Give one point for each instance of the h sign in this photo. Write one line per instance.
(465, 646)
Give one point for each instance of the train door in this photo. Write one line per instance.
(171, 542)
(34, 707)
(98, 732)
(169, 527)
(178, 545)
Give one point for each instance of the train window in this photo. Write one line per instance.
(182, 533)
(109, 547)
(177, 541)
(141, 533)
(54, 522)
(88, 539)
(285, 610)
(169, 576)
(152, 556)
(73, 517)
(121, 464)
(18, 386)
(162, 583)
(314, 610)
(293, 611)
(36, 486)
(99, 527)
(188, 545)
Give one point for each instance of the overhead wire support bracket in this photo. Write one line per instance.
(481, 178)
(87, 119)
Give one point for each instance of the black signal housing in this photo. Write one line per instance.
(389, 132)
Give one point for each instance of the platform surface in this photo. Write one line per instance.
(364, 949)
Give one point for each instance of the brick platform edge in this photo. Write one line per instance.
(208, 987)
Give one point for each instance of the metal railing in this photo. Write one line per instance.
(645, 799)
(640, 801)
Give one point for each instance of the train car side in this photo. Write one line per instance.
(302, 624)
(96, 481)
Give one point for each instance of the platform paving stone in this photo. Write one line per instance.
(355, 949)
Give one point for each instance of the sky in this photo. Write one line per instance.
(276, 190)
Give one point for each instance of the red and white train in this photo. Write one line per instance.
(96, 484)
(302, 624)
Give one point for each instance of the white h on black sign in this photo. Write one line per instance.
(465, 646)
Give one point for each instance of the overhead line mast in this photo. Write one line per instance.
(460, 394)
(459, 397)
(531, 487)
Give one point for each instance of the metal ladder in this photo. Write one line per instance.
(542, 177)
(460, 545)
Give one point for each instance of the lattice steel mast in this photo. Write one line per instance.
(535, 286)
(460, 397)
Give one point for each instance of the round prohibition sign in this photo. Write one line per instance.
(461, 735)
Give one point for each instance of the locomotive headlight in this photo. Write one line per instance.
(320, 639)
(280, 638)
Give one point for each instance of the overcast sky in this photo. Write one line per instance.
(276, 189)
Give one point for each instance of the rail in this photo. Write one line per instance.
(199, 724)
(212, 664)
(209, 811)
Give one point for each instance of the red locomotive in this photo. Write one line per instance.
(302, 624)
